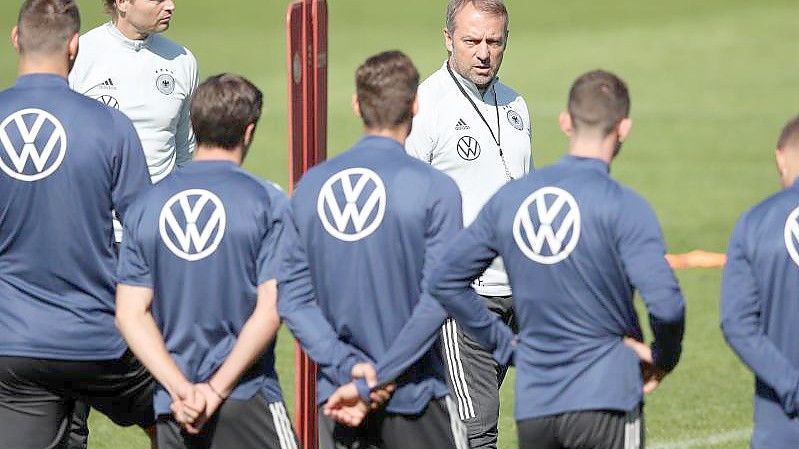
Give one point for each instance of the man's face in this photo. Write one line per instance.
(147, 16)
(477, 44)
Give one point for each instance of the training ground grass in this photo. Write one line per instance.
(712, 83)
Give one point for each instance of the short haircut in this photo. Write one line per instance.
(110, 7)
(790, 135)
(45, 26)
(386, 85)
(598, 100)
(221, 109)
(495, 7)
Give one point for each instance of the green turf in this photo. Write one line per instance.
(712, 82)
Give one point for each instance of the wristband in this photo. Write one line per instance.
(221, 398)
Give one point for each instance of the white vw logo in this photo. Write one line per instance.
(363, 208)
(792, 235)
(180, 222)
(535, 224)
(35, 143)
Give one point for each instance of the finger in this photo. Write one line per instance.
(176, 407)
(367, 372)
(379, 396)
(333, 403)
(643, 351)
(651, 386)
(190, 414)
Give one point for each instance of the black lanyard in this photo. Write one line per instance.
(498, 136)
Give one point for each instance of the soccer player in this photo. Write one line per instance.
(478, 130)
(759, 308)
(370, 224)
(576, 245)
(128, 64)
(65, 162)
(197, 292)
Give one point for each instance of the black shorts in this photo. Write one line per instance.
(437, 427)
(36, 396)
(238, 424)
(592, 429)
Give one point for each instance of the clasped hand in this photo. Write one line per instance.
(651, 374)
(193, 405)
(345, 404)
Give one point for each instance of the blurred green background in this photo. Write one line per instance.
(712, 83)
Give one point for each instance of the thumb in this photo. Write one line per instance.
(367, 372)
(643, 351)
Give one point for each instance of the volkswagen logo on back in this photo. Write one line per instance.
(352, 203)
(34, 144)
(546, 227)
(192, 224)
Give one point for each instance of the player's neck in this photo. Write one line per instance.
(601, 149)
(128, 30)
(208, 153)
(32, 65)
(399, 134)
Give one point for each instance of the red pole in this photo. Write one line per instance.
(306, 29)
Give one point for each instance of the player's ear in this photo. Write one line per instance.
(356, 106)
(624, 127)
(448, 41)
(415, 106)
(122, 6)
(566, 125)
(782, 163)
(72, 47)
(15, 38)
(249, 134)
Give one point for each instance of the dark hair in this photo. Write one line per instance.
(45, 26)
(110, 7)
(222, 107)
(495, 7)
(598, 100)
(790, 134)
(386, 85)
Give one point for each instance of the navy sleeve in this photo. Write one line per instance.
(643, 253)
(742, 326)
(298, 309)
(132, 267)
(268, 255)
(421, 330)
(444, 220)
(466, 258)
(131, 176)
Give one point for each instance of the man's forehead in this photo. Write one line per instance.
(481, 25)
(470, 19)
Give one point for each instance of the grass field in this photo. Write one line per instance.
(712, 82)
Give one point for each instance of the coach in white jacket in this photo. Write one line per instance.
(127, 64)
(477, 130)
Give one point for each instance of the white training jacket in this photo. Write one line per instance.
(449, 134)
(151, 81)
